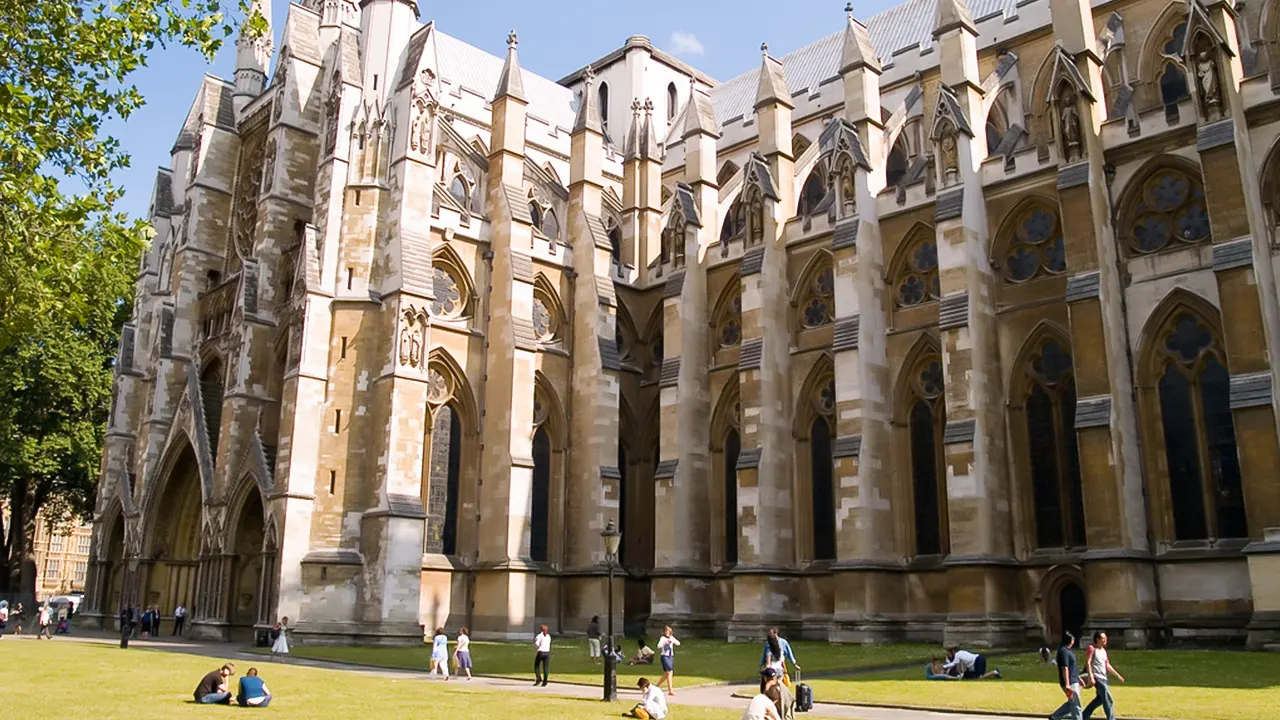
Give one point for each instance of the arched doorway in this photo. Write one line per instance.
(175, 537)
(110, 604)
(246, 566)
(1072, 610)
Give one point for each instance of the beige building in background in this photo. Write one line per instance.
(956, 325)
(61, 556)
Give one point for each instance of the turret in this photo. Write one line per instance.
(253, 54)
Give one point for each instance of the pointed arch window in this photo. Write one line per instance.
(551, 225)
(1051, 445)
(615, 239)
(673, 100)
(1169, 212)
(799, 144)
(1172, 76)
(916, 281)
(732, 449)
(540, 501)
(1034, 245)
(926, 419)
(735, 224)
(604, 105)
(817, 306)
(1199, 432)
(897, 164)
(450, 301)
(444, 470)
(460, 191)
(535, 214)
(729, 318)
(822, 467)
(813, 192)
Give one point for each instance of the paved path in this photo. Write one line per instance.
(708, 695)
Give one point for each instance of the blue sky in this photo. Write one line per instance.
(556, 37)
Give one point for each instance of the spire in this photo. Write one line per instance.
(858, 51)
(511, 82)
(953, 14)
(649, 148)
(698, 116)
(588, 107)
(632, 149)
(253, 53)
(773, 82)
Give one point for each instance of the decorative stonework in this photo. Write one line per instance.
(413, 330)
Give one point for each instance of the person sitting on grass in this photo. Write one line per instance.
(971, 666)
(643, 656)
(212, 689)
(762, 707)
(253, 690)
(653, 703)
(935, 671)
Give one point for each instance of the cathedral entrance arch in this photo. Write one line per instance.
(174, 547)
(115, 566)
(246, 564)
(1064, 603)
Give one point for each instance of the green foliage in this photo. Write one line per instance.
(67, 258)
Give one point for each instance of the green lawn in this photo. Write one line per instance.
(60, 680)
(1179, 684)
(697, 661)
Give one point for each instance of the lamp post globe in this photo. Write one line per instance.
(612, 538)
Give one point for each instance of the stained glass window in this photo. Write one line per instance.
(815, 189)
(448, 302)
(918, 281)
(544, 322)
(1051, 444)
(1036, 247)
(1199, 432)
(926, 419)
(1172, 207)
(540, 509)
(442, 483)
(823, 488)
(458, 189)
(818, 306)
(729, 327)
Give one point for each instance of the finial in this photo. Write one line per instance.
(590, 74)
(648, 107)
(848, 10)
(635, 107)
(764, 49)
(512, 39)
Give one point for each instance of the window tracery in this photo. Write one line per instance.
(546, 322)
(1169, 211)
(813, 192)
(817, 308)
(1050, 408)
(926, 419)
(449, 302)
(1035, 246)
(1173, 76)
(729, 320)
(460, 191)
(917, 279)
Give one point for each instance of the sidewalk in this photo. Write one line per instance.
(721, 696)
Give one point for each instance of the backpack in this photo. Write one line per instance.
(275, 633)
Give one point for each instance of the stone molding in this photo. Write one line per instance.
(674, 286)
(333, 556)
(752, 261)
(845, 335)
(606, 293)
(847, 446)
(953, 311)
(1083, 286)
(959, 431)
(670, 372)
(749, 459)
(845, 235)
(522, 329)
(1234, 254)
(1093, 412)
(1215, 135)
(750, 354)
(609, 354)
(1252, 390)
(949, 206)
(666, 469)
(1074, 175)
(521, 267)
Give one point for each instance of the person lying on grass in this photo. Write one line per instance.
(643, 656)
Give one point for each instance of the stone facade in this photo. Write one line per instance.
(951, 326)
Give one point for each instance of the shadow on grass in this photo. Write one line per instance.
(1223, 669)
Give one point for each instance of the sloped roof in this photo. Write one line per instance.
(470, 67)
(892, 31)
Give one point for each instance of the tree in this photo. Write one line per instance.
(67, 258)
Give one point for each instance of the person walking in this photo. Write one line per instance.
(542, 657)
(179, 619)
(155, 621)
(462, 652)
(280, 638)
(1098, 664)
(593, 639)
(667, 645)
(126, 622)
(777, 653)
(1069, 680)
(45, 616)
(16, 616)
(440, 654)
(4, 616)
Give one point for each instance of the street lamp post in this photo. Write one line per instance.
(611, 538)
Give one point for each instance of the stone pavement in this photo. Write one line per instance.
(708, 695)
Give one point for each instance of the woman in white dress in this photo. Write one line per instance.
(279, 633)
(440, 654)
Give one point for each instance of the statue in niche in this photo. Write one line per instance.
(269, 171)
(1069, 116)
(1207, 78)
(950, 156)
(411, 339)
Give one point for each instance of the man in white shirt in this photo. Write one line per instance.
(653, 703)
(967, 665)
(179, 618)
(761, 707)
(542, 657)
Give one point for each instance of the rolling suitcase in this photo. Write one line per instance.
(804, 695)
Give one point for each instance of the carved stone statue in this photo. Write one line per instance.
(1207, 78)
(269, 167)
(420, 130)
(1072, 149)
(950, 157)
(411, 335)
(333, 105)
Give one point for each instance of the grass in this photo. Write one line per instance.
(1204, 685)
(60, 680)
(698, 662)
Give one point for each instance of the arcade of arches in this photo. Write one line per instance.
(977, 359)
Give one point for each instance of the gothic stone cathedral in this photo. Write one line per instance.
(416, 324)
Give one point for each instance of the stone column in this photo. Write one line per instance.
(766, 588)
(980, 566)
(1119, 577)
(505, 590)
(1247, 291)
(593, 490)
(682, 552)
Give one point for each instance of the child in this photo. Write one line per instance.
(463, 653)
(440, 654)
